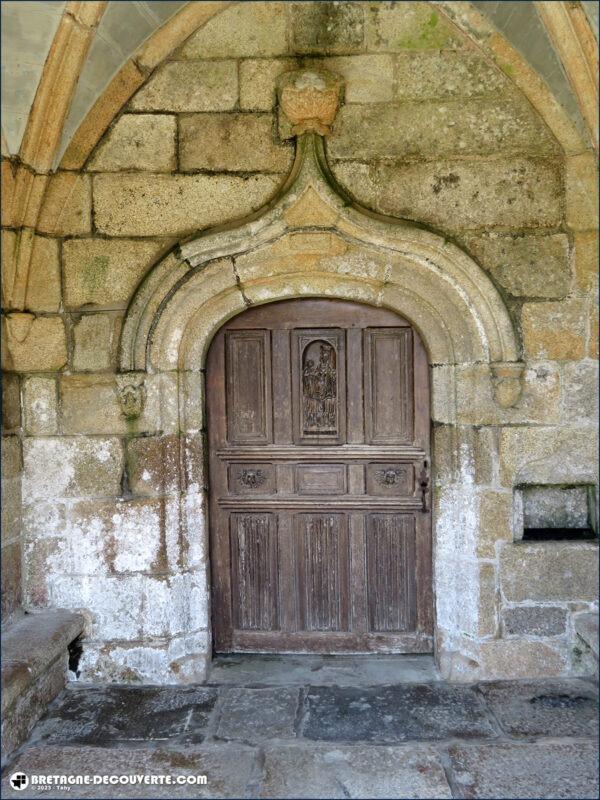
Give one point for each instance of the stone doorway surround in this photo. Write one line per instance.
(312, 240)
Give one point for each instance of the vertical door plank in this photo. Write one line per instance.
(356, 414)
(282, 400)
(358, 575)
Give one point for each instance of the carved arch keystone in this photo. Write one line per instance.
(312, 240)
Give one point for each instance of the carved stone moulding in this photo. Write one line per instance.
(310, 99)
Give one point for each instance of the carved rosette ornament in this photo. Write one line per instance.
(507, 381)
(310, 100)
(132, 395)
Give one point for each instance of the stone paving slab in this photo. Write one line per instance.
(123, 714)
(390, 714)
(357, 771)
(274, 670)
(526, 770)
(232, 771)
(254, 715)
(551, 708)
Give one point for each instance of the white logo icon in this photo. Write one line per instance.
(19, 781)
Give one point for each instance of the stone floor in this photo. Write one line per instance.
(304, 727)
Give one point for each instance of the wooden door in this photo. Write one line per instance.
(320, 524)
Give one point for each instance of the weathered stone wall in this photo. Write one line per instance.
(429, 131)
(11, 497)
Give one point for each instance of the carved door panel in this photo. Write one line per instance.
(318, 424)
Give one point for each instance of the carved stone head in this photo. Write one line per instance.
(507, 381)
(310, 99)
(132, 395)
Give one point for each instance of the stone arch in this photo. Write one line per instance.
(310, 242)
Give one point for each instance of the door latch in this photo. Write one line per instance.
(424, 484)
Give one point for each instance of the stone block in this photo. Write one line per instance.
(495, 521)
(258, 82)
(105, 272)
(253, 715)
(99, 117)
(40, 406)
(34, 344)
(541, 769)
(393, 714)
(189, 86)
(567, 708)
(428, 129)
(580, 391)
(43, 519)
(67, 205)
(581, 186)
(113, 601)
(327, 28)
(153, 465)
(338, 771)
(213, 761)
(93, 346)
(245, 30)
(393, 27)
(534, 621)
(11, 402)
(126, 715)
(524, 265)
(367, 78)
(196, 456)
(144, 205)
(173, 604)
(71, 466)
(540, 399)
(505, 659)
(516, 193)
(43, 559)
(43, 283)
(90, 404)
(586, 260)
(11, 579)
(20, 719)
(431, 74)
(545, 455)
(549, 571)
(232, 142)
(10, 241)
(554, 330)
(138, 142)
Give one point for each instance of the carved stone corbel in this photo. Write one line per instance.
(507, 382)
(132, 394)
(310, 100)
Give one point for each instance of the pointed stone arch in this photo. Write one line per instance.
(313, 241)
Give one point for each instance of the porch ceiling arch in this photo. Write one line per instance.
(310, 241)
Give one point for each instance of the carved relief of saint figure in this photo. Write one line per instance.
(319, 389)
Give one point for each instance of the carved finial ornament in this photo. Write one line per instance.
(310, 100)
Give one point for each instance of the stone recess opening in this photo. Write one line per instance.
(554, 513)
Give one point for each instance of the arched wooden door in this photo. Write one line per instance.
(320, 521)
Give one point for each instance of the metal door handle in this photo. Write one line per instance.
(424, 484)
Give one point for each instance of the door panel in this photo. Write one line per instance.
(318, 421)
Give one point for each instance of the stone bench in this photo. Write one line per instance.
(35, 660)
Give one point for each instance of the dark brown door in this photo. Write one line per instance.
(318, 421)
